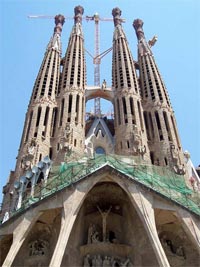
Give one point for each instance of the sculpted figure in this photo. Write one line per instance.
(95, 237)
(106, 262)
(104, 215)
(86, 261)
(99, 261)
(104, 84)
(91, 230)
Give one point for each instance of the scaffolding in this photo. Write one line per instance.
(158, 179)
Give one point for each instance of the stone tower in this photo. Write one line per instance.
(69, 134)
(36, 138)
(130, 133)
(35, 143)
(163, 140)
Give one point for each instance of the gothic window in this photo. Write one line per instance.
(38, 116)
(152, 157)
(77, 108)
(100, 150)
(140, 115)
(62, 111)
(50, 153)
(147, 125)
(151, 125)
(46, 116)
(167, 125)
(70, 104)
(29, 126)
(118, 111)
(74, 142)
(159, 126)
(132, 109)
(124, 109)
(53, 123)
(175, 131)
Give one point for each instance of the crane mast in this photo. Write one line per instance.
(97, 103)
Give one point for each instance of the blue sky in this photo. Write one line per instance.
(23, 42)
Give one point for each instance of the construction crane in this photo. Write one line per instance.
(97, 57)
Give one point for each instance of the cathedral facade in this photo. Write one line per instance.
(96, 191)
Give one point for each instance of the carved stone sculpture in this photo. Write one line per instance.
(104, 215)
(86, 262)
(38, 247)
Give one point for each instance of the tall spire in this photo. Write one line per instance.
(163, 139)
(129, 125)
(69, 134)
(35, 143)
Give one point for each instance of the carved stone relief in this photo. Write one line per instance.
(106, 261)
(38, 247)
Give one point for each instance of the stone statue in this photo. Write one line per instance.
(91, 230)
(38, 247)
(104, 84)
(180, 252)
(126, 263)
(99, 261)
(95, 237)
(86, 261)
(104, 215)
(94, 261)
(106, 262)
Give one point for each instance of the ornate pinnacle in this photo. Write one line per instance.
(137, 24)
(116, 12)
(59, 21)
(78, 12)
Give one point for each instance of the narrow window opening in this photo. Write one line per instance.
(152, 157)
(62, 111)
(50, 153)
(140, 116)
(147, 125)
(118, 109)
(29, 126)
(159, 126)
(77, 108)
(46, 116)
(54, 119)
(38, 116)
(70, 104)
(124, 109)
(128, 144)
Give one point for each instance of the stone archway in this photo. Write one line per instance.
(119, 238)
(179, 249)
(39, 244)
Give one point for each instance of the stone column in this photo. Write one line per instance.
(190, 227)
(19, 235)
(70, 212)
(146, 213)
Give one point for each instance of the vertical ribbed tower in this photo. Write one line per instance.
(129, 125)
(35, 143)
(164, 143)
(70, 125)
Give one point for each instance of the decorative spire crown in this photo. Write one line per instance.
(59, 21)
(78, 12)
(138, 24)
(116, 12)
